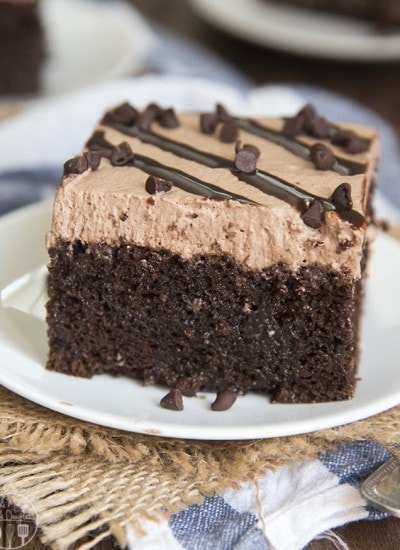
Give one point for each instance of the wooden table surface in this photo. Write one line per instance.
(375, 85)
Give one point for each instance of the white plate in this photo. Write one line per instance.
(91, 41)
(125, 404)
(301, 31)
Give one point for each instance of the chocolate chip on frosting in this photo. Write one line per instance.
(124, 114)
(248, 146)
(341, 137)
(314, 215)
(246, 158)
(172, 401)
(309, 111)
(147, 117)
(317, 126)
(229, 132)
(156, 185)
(322, 157)
(357, 145)
(168, 119)
(76, 165)
(222, 112)
(208, 123)
(294, 126)
(224, 401)
(350, 142)
(121, 154)
(93, 159)
(341, 197)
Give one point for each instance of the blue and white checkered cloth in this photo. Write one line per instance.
(287, 508)
(283, 510)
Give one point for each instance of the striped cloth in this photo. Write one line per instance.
(283, 510)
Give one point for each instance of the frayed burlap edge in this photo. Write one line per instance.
(82, 479)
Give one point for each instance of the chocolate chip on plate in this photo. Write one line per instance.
(224, 400)
(172, 401)
(322, 157)
(314, 215)
(156, 185)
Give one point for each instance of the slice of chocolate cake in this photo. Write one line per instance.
(213, 252)
(22, 47)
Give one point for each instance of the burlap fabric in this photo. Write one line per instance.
(86, 480)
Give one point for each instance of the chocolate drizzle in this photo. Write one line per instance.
(342, 166)
(262, 180)
(181, 179)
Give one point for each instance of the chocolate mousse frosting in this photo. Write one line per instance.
(258, 217)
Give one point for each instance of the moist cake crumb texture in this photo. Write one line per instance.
(207, 251)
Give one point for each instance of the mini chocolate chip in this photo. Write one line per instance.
(168, 118)
(229, 132)
(309, 111)
(246, 160)
(341, 197)
(314, 215)
(76, 165)
(342, 137)
(357, 145)
(224, 401)
(154, 108)
(172, 401)
(255, 150)
(322, 157)
(317, 127)
(124, 114)
(156, 185)
(147, 117)
(222, 112)
(293, 126)
(248, 147)
(121, 154)
(208, 123)
(93, 159)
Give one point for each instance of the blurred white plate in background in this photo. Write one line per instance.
(92, 41)
(301, 31)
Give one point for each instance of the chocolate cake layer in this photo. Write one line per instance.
(22, 46)
(202, 324)
(213, 252)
